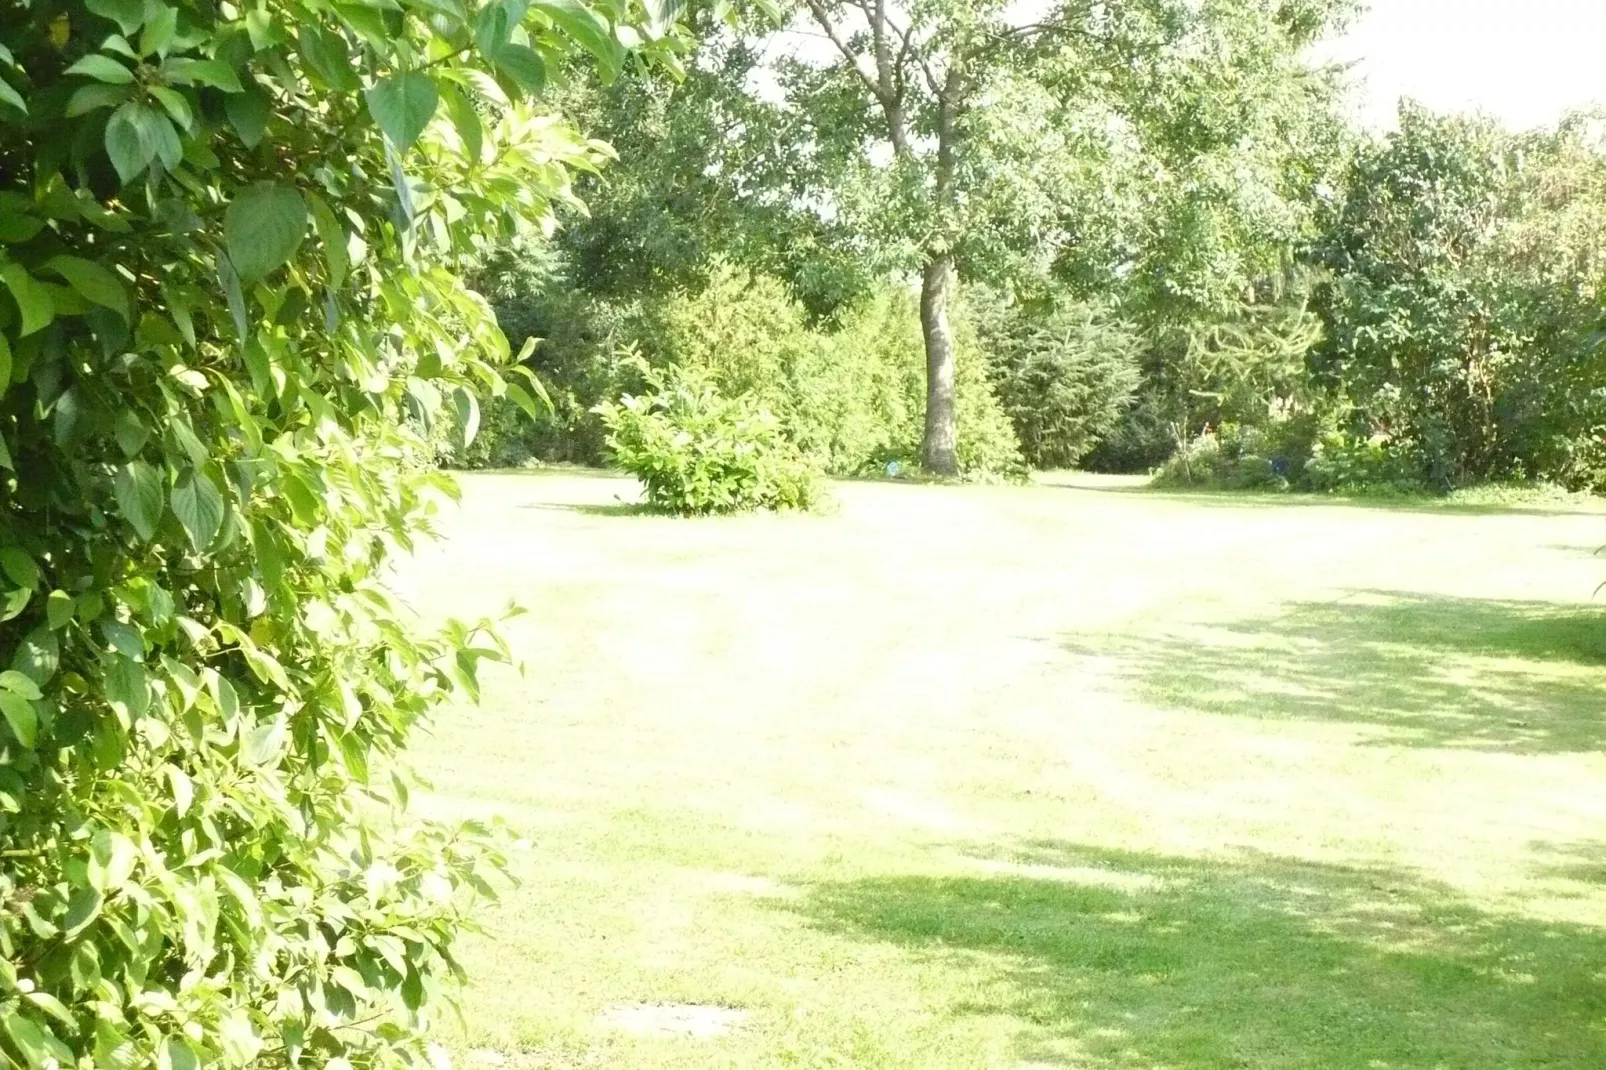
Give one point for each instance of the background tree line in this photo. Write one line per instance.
(1167, 248)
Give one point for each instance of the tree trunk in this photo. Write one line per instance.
(940, 452)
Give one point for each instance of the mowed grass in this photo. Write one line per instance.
(1071, 775)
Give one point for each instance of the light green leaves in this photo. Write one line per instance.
(127, 689)
(264, 226)
(17, 695)
(199, 507)
(160, 27)
(183, 789)
(402, 105)
(39, 1046)
(112, 857)
(102, 69)
(262, 745)
(240, 1043)
(248, 113)
(20, 715)
(93, 97)
(138, 488)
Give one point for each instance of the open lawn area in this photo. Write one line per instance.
(1073, 775)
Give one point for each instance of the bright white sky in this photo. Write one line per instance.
(1525, 62)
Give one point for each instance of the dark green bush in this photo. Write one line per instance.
(697, 452)
(1065, 375)
(1462, 315)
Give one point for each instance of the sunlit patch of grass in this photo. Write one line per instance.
(1021, 778)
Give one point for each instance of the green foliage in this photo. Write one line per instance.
(1065, 375)
(1343, 464)
(699, 453)
(227, 247)
(1464, 311)
(1292, 454)
(849, 394)
(1232, 458)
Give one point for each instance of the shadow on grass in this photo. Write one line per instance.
(1581, 863)
(1114, 960)
(609, 509)
(1525, 677)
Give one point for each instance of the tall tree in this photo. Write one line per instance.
(959, 131)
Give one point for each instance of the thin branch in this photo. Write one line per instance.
(817, 9)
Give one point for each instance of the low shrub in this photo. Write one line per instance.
(1351, 465)
(1231, 457)
(699, 453)
(1291, 455)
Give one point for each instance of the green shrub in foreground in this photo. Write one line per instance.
(227, 242)
(698, 452)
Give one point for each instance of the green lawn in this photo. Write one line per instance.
(1060, 776)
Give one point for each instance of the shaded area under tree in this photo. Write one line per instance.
(1521, 677)
(1115, 959)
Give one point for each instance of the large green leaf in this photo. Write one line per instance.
(38, 1045)
(112, 857)
(21, 716)
(161, 23)
(212, 72)
(264, 226)
(38, 656)
(328, 57)
(199, 507)
(466, 120)
(586, 27)
(33, 300)
(402, 105)
(129, 141)
(127, 688)
(19, 567)
(140, 498)
(92, 281)
(524, 66)
(9, 95)
(248, 113)
(102, 69)
(128, 14)
(90, 98)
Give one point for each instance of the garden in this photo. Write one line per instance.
(652, 533)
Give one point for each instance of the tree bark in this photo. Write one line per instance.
(940, 452)
(941, 447)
